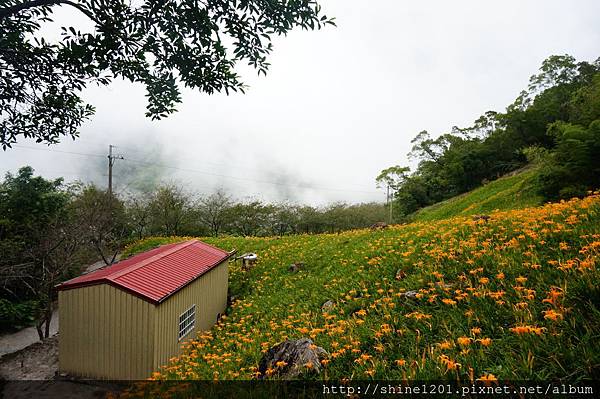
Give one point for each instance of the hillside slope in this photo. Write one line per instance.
(514, 191)
(514, 298)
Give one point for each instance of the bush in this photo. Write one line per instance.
(535, 154)
(571, 169)
(573, 191)
(14, 316)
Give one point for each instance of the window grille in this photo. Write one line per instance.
(187, 321)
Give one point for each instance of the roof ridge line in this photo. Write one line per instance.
(212, 246)
(135, 266)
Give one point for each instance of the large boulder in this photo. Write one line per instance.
(289, 359)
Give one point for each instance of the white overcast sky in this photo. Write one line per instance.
(337, 106)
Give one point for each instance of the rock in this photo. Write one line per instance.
(379, 225)
(231, 300)
(327, 306)
(400, 274)
(411, 294)
(446, 286)
(294, 358)
(476, 218)
(294, 267)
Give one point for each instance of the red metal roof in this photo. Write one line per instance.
(156, 274)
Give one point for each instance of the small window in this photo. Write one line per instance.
(187, 321)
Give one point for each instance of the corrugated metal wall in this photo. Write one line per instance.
(105, 332)
(209, 293)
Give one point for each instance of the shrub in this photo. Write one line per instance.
(14, 316)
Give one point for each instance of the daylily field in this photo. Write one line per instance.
(513, 298)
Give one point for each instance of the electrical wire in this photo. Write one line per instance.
(301, 186)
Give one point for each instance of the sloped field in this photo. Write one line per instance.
(514, 298)
(515, 191)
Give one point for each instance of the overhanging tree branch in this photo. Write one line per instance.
(163, 44)
(10, 11)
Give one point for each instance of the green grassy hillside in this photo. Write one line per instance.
(510, 192)
(512, 298)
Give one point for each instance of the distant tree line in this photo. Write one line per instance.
(555, 124)
(169, 210)
(49, 230)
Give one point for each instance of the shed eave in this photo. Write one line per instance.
(154, 301)
(111, 283)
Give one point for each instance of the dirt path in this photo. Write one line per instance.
(36, 362)
(31, 373)
(29, 367)
(13, 342)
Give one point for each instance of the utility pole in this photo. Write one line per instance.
(390, 202)
(387, 197)
(111, 162)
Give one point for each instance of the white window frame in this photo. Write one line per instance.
(187, 322)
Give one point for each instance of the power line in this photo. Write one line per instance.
(228, 165)
(61, 151)
(310, 187)
(129, 182)
(249, 179)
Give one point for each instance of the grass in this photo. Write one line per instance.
(516, 191)
(513, 298)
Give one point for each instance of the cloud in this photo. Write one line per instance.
(338, 105)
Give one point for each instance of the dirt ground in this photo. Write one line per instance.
(38, 361)
(31, 373)
(53, 389)
(12, 342)
(15, 341)
(29, 367)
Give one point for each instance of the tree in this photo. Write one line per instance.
(573, 167)
(248, 219)
(103, 219)
(336, 217)
(54, 255)
(310, 220)
(426, 148)
(39, 226)
(555, 70)
(555, 117)
(213, 211)
(393, 176)
(484, 125)
(584, 106)
(170, 209)
(161, 44)
(138, 214)
(283, 218)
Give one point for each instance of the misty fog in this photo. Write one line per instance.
(337, 106)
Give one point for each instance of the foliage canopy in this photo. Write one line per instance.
(554, 121)
(162, 44)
